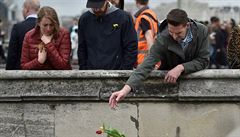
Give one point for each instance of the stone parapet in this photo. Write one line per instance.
(97, 85)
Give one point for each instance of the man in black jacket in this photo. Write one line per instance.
(30, 9)
(107, 38)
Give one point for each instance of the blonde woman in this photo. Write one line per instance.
(47, 46)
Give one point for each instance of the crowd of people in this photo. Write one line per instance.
(219, 35)
(104, 37)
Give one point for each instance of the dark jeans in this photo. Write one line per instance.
(219, 57)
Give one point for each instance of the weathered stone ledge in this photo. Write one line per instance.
(23, 74)
(97, 85)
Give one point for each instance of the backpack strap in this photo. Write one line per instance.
(149, 15)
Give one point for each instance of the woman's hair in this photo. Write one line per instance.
(51, 14)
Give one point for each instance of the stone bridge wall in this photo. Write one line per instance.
(75, 104)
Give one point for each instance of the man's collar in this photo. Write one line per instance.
(32, 16)
(188, 36)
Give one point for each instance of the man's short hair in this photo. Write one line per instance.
(32, 4)
(177, 17)
(214, 19)
(142, 2)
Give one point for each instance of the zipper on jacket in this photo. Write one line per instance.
(115, 63)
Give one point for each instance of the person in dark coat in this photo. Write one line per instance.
(30, 9)
(181, 47)
(219, 37)
(107, 38)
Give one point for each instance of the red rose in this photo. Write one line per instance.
(99, 132)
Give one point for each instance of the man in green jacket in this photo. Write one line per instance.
(181, 47)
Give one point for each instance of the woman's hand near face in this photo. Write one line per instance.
(46, 39)
(42, 56)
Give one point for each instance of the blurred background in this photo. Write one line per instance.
(202, 10)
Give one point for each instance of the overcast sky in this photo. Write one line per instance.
(75, 7)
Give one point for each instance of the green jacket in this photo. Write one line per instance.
(171, 54)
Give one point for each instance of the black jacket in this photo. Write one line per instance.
(108, 42)
(15, 44)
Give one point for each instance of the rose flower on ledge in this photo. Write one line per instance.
(111, 132)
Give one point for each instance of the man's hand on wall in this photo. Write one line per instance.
(173, 74)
